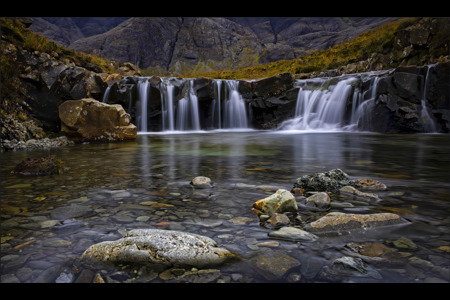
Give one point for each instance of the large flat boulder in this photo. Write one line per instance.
(87, 120)
(157, 246)
(336, 221)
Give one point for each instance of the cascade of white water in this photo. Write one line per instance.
(143, 87)
(106, 95)
(219, 105)
(193, 103)
(235, 115)
(184, 114)
(167, 107)
(360, 116)
(320, 109)
(427, 120)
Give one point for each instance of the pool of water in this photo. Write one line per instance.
(145, 184)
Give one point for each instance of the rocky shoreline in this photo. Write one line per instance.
(33, 144)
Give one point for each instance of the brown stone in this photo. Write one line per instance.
(335, 221)
(368, 184)
(90, 120)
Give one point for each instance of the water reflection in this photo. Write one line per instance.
(114, 179)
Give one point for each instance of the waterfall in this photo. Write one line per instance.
(235, 115)
(105, 96)
(323, 103)
(187, 111)
(427, 120)
(219, 105)
(143, 88)
(182, 115)
(320, 109)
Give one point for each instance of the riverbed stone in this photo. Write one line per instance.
(71, 211)
(280, 202)
(201, 182)
(319, 200)
(329, 181)
(350, 190)
(292, 234)
(272, 265)
(39, 166)
(368, 184)
(337, 221)
(157, 246)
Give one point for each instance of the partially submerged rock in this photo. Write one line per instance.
(39, 166)
(350, 190)
(368, 184)
(281, 201)
(330, 181)
(292, 234)
(319, 200)
(201, 182)
(156, 246)
(336, 221)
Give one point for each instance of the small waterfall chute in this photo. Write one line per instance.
(143, 86)
(235, 115)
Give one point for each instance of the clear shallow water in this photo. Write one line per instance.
(114, 180)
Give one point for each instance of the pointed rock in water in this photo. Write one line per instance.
(157, 246)
(280, 202)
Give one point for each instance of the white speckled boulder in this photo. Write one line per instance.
(156, 246)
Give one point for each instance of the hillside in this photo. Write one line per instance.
(405, 42)
(192, 45)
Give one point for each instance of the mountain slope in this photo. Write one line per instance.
(200, 44)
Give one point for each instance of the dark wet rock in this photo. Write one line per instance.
(336, 221)
(161, 247)
(330, 181)
(39, 166)
(192, 276)
(273, 265)
(349, 266)
(374, 253)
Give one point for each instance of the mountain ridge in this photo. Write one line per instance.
(192, 45)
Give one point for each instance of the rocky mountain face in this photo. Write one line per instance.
(180, 45)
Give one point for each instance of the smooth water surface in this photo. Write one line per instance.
(145, 184)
